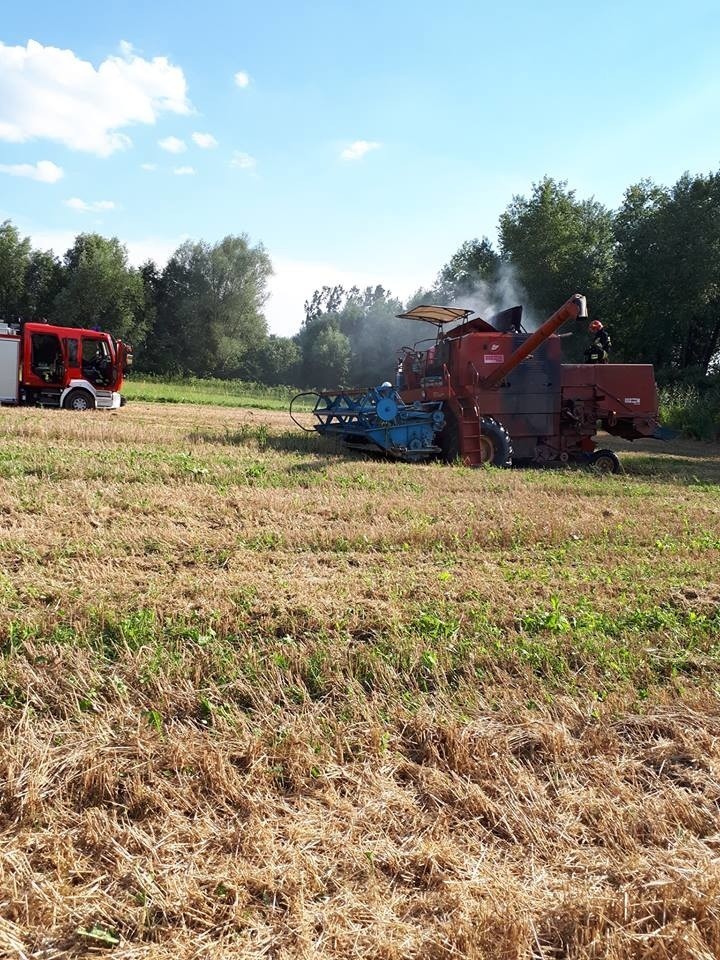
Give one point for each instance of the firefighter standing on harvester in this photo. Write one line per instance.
(599, 349)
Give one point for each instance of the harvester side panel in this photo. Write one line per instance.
(527, 402)
(627, 388)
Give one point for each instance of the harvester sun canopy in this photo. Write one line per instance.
(436, 315)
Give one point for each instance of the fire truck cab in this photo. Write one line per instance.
(53, 366)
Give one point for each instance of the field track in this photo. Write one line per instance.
(259, 699)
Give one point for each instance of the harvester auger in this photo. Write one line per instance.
(488, 392)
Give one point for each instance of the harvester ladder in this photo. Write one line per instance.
(469, 425)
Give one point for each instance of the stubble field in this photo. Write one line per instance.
(262, 700)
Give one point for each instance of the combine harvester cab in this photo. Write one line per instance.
(53, 366)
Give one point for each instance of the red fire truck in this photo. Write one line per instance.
(52, 366)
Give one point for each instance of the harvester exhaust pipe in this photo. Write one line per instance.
(574, 309)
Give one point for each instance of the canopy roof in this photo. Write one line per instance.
(435, 314)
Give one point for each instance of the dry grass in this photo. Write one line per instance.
(262, 701)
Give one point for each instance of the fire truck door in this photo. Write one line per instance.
(72, 356)
(46, 362)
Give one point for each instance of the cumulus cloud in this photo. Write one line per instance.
(45, 171)
(358, 149)
(243, 161)
(173, 145)
(206, 141)
(184, 171)
(242, 79)
(52, 94)
(97, 206)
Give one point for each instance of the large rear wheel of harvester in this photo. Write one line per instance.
(495, 444)
(605, 461)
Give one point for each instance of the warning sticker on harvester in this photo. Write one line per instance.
(494, 358)
(630, 400)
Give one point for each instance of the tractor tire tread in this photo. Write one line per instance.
(504, 449)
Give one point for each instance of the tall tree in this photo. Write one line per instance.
(274, 360)
(43, 282)
(558, 245)
(101, 289)
(14, 259)
(473, 266)
(668, 273)
(367, 320)
(211, 297)
(326, 356)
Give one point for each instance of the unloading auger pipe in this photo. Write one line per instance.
(574, 309)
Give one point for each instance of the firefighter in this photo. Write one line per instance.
(599, 349)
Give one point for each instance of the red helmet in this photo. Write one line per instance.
(595, 325)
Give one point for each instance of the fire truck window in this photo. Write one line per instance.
(96, 363)
(46, 357)
(71, 348)
(94, 349)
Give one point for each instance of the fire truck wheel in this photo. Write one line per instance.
(605, 461)
(79, 400)
(495, 443)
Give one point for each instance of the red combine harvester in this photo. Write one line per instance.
(51, 366)
(507, 397)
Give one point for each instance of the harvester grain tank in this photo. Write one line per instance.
(54, 366)
(489, 392)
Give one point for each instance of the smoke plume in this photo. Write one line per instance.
(504, 290)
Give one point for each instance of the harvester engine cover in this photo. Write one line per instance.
(380, 420)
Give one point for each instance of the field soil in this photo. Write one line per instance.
(261, 698)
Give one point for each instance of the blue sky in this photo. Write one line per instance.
(364, 142)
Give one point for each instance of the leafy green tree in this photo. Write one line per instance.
(635, 291)
(43, 283)
(14, 259)
(101, 289)
(275, 360)
(558, 245)
(368, 321)
(424, 295)
(210, 301)
(331, 357)
(146, 348)
(476, 263)
(667, 280)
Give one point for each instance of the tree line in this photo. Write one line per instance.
(650, 269)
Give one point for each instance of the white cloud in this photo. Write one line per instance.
(243, 160)
(358, 149)
(184, 171)
(44, 170)
(173, 145)
(206, 141)
(52, 94)
(294, 281)
(242, 79)
(148, 166)
(97, 206)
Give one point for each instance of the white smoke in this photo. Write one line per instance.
(506, 290)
